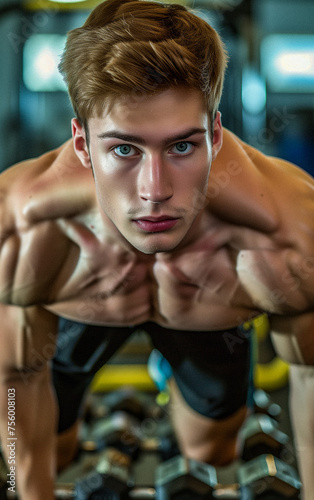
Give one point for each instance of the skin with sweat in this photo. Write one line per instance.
(154, 219)
(161, 240)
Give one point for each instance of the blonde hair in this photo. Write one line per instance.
(130, 47)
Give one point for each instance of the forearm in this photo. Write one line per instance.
(302, 416)
(33, 450)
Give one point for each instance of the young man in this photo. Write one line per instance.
(127, 226)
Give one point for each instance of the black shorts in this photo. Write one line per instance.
(212, 369)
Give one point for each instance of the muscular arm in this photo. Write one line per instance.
(277, 198)
(294, 341)
(34, 196)
(34, 253)
(27, 344)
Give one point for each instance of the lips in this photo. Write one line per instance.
(156, 224)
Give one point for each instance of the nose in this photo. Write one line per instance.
(155, 183)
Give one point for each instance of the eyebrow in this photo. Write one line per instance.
(115, 134)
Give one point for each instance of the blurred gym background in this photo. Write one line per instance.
(268, 98)
(268, 101)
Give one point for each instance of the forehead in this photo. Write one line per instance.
(165, 111)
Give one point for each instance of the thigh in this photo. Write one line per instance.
(84, 349)
(212, 369)
(81, 351)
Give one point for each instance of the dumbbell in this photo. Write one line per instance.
(259, 435)
(119, 430)
(268, 477)
(107, 476)
(181, 478)
(137, 405)
(125, 433)
(166, 447)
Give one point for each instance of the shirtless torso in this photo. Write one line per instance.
(254, 253)
(60, 254)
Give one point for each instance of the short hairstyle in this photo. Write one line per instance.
(140, 47)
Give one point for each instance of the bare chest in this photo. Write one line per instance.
(221, 279)
(197, 288)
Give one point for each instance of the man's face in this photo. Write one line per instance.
(151, 160)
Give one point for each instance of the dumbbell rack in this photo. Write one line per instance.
(138, 428)
(151, 424)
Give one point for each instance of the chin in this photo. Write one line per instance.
(154, 251)
(151, 248)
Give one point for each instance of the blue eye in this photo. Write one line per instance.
(182, 147)
(125, 150)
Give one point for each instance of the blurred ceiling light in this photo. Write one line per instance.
(287, 62)
(296, 63)
(67, 1)
(41, 56)
(60, 4)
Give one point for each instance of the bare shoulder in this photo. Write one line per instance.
(257, 190)
(52, 185)
(275, 199)
(34, 196)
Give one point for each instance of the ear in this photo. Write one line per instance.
(80, 143)
(217, 136)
